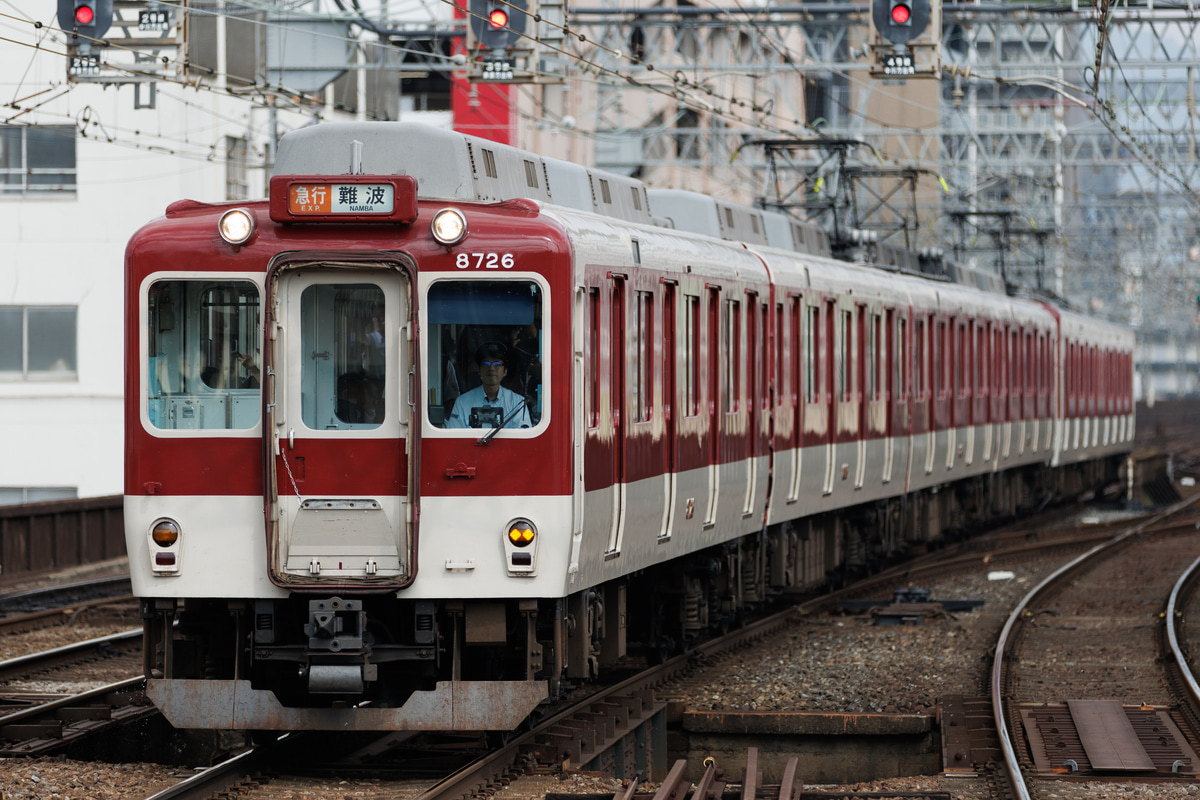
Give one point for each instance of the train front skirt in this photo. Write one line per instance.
(453, 705)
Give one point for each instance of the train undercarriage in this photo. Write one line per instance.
(476, 664)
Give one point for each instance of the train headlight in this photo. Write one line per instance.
(236, 226)
(164, 551)
(520, 547)
(165, 533)
(449, 226)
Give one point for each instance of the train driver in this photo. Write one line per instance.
(490, 405)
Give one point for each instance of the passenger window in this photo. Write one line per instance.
(485, 352)
(202, 359)
(344, 358)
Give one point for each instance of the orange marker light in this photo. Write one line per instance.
(521, 533)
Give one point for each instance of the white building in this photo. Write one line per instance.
(192, 112)
(82, 166)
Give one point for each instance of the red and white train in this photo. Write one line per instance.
(669, 419)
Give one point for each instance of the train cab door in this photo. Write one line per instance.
(338, 392)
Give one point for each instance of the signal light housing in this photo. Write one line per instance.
(495, 25)
(901, 21)
(87, 19)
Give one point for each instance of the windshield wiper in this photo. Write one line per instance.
(487, 437)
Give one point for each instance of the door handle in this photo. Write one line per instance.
(291, 438)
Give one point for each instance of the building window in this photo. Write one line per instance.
(37, 159)
(37, 342)
(237, 156)
(18, 495)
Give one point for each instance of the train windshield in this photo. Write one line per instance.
(202, 361)
(485, 354)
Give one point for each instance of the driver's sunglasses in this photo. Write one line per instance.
(491, 363)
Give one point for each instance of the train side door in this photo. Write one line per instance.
(922, 413)
(339, 457)
(670, 408)
(962, 434)
(978, 388)
(713, 366)
(616, 361)
(858, 395)
(897, 367)
(829, 399)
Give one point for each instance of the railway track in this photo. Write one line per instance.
(1080, 689)
(575, 744)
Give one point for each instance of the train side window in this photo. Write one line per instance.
(202, 356)
(845, 383)
(593, 357)
(342, 372)
(691, 354)
(941, 361)
(643, 393)
(795, 357)
(976, 359)
(902, 388)
(812, 327)
(1014, 363)
(919, 366)
(732, 347)
(782, 379)
(472, 324)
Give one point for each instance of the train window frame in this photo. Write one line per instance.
(731, 346)
(811, 339)
(540, 412)
(241, 401)
(844, 372)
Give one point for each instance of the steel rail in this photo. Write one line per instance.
(120, 687)
(20, 665)
(471, 778)
(1174, 618)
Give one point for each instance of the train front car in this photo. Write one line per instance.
(348, 473)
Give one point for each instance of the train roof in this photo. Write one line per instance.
(454, 166)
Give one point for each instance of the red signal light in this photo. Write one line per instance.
(901, 14)
(498, 18)
(84, 15)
